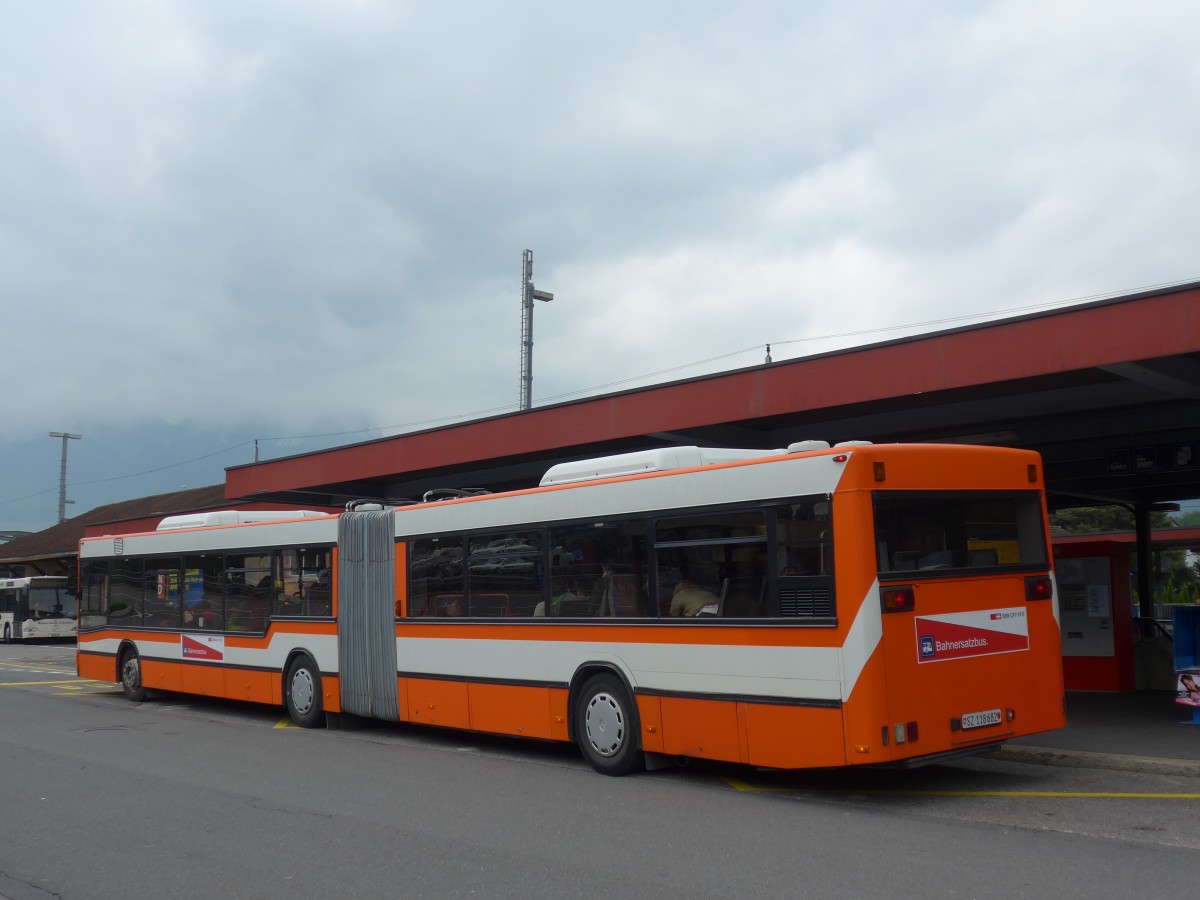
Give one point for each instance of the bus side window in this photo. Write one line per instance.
(435, 568)
(126, 593)
(320, 595)
(599, 569)
(713, 565)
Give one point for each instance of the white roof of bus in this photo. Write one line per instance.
(704, 483)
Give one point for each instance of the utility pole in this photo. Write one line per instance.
(528, 295)
(62, 473)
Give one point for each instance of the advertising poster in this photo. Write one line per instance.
(1187, 688)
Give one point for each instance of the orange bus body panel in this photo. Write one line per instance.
(331, 693)
(97, 668)
(650, 714)
(257, 687)
(205, 680)
(866, 712)
(777, 736)
(501, 709)
(705, 729)
(559, 730)
(439, 703)
(158, 675)
(933, 693)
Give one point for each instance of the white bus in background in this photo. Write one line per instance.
(36, 608)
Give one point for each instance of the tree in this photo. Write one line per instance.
(1181, 578)
(1189, 519)
(1099, 519)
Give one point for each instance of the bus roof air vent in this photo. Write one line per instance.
(804, 446)
(233, 517)
(661, 459)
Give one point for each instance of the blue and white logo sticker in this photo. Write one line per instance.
(928, 648)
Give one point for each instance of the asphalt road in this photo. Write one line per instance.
(103, 798)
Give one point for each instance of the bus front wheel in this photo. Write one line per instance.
(302, 692)
(131, 677)
(604, 723)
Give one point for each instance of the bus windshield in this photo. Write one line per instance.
(49, 603)
(951, 531)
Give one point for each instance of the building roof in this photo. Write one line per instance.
(62, 540)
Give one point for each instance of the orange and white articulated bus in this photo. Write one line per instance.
(811, 607)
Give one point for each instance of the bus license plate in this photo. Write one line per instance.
(981, 719)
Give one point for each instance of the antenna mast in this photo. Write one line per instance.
(62, 473)
(528, 295)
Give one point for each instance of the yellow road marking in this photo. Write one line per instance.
(20, 683)
(1094, 795)
(89, 687)
(285, 722)
(20, 665)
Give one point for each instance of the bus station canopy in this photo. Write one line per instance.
(1107, 391)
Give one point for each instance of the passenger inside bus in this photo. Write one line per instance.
(200, 615)
(570, 595)
(690, 600)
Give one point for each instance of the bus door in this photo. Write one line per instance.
(367, 614)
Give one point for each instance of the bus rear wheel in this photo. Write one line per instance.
(302, 693)
(131, 677)
(604, 724)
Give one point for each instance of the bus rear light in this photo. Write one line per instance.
(899, 599)
(1038, 587)
(880, 472)
(841, 457)
(1009, 714)
(1032, 471)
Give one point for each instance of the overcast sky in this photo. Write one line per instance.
(228, 221)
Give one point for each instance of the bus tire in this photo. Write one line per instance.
(131, 676)
(605, 726)
(302, 693)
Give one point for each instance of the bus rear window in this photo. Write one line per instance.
(957, 530)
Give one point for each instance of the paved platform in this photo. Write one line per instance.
(1143, 731)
